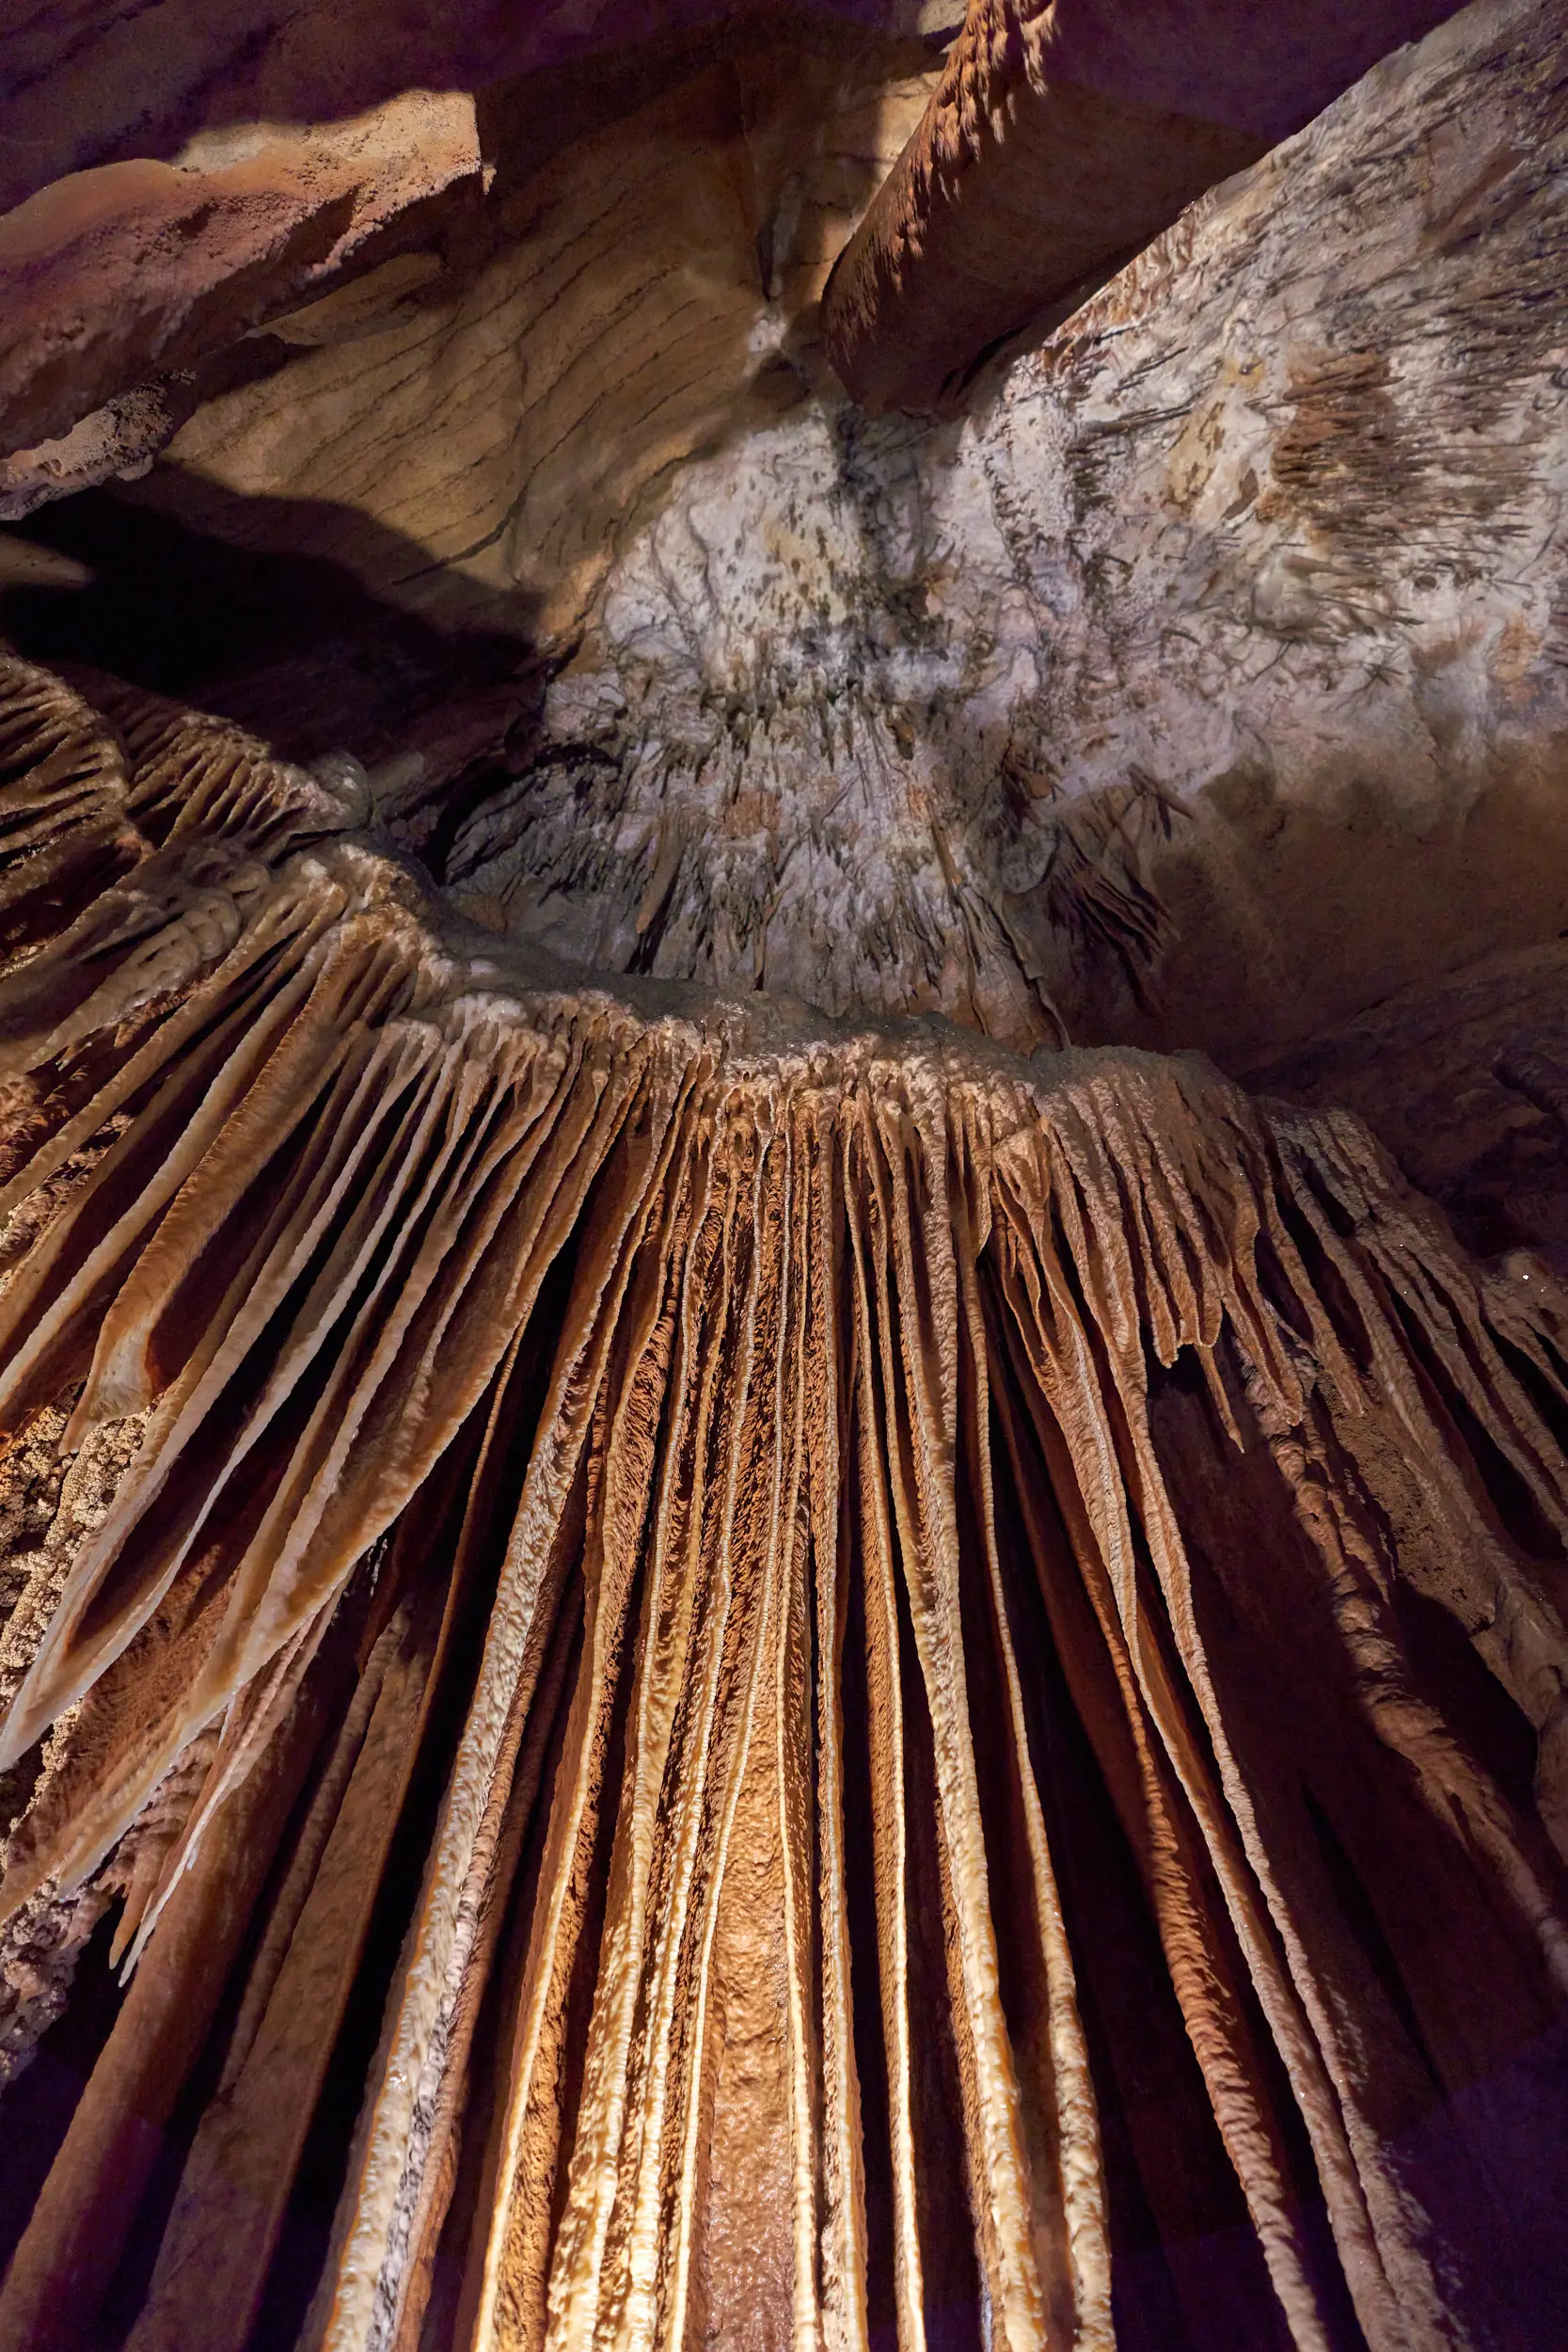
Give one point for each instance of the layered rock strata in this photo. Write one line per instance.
(175, 180)
(838, 1683)
(120, 283)
(158, 74)
(505, 323)
(137, 290)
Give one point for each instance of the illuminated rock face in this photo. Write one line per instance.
(738, 1651)
(339, 196)
(120, 281)
(1212, 657)
(894, 1668)
(1225, 630)
(1062, 136)
(184, 174)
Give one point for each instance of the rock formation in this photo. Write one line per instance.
(747, 1488)
(1226, 625)
(1222, 632)
(1060, 137)
(703, 1639)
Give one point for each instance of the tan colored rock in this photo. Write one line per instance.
(1016, 190)
(1062, 137)
(642, 299)
(81, 87)
(1199, 646)
(138, 269)
(118, 442)
(850, 1450)
(741, 1668)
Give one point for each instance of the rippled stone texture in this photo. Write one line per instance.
(892, 1668)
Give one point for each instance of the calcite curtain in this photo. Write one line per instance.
(753, 1679)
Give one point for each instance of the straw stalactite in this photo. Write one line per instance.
(756, 1679)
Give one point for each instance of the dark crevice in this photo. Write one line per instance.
(1473, 1703)
(40, 2102)
(238, 619)
(1518, 1513)
(1187, 2272)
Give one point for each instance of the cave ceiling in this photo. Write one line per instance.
(784, 1176)
(492, 435)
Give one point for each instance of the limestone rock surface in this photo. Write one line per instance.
(130, 282)
(1061, 137)
(1203, 683)
(638, 1457)
(702, 1640)
(83, 85)
(631, 295)
(138, 270)
(1227, 625)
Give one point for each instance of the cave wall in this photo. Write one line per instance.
(1246, 587)
(1059, 139)
(149, 81)
(1220, 637)
(734, 1673)
(705, 1637)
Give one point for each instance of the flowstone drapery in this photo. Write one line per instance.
(758, 1679)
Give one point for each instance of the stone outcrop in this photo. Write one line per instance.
(164, 205)
(1060, 138)
(153, 78)
(629, 291)
(117, 282)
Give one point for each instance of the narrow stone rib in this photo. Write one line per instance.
(89, 2207)
(438, 2176)
(651, 1315)
(213, 2262)
(431, 1981)
(743, 1612)
(843, 2227)
(918, 1264)
(886, 1735)
(1075, 2203)
(1149, 1798)
(792, 1742)
(1387, 2264)
(689, 1866)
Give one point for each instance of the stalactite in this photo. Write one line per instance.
(1059, 139)
(664, 1533)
